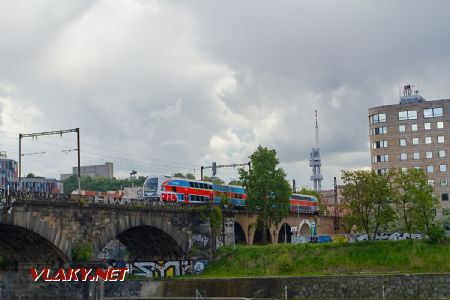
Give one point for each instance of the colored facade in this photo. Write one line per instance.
(414, 134)
(8, 172)
(40, 184)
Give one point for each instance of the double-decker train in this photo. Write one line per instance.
(181, 190)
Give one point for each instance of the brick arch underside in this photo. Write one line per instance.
(146, 241)
(21, 246)
(46, 229)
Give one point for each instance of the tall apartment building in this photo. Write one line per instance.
(414, 134)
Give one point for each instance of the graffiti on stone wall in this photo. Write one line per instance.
(158, 269)
(199, 266)
(351, 238)
(219, 241)
(166, 269)
(200, 239)
(386, 236)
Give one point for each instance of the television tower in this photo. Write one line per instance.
(315, 161)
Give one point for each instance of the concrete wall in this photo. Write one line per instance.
(19, 285)
(424, 286)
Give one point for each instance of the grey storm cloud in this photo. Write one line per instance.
(167, 86)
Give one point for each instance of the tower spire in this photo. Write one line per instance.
(315, 161)
(316, 130)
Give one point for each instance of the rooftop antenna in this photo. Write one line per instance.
(315, 161)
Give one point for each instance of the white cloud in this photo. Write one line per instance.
(164, 86)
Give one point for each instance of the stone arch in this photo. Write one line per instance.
(257, 237)
(129, 229)
(46, 229)
(239, 234)
(284, 234)
(304, 228)
(21, 247)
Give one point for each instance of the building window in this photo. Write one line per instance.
(444, 182)
(404, 170)
(378, 130)
(432, 112)
(416, 155)
(403, 156)
(440, 139)
(430, 169)
(415, 141)
(382, 171)
(377, 118)
(431, 182)
(428, 140)
(429, 154)
(380, 158)
(443, 168)
(413, 127)
(379, 144)
(440, 125)
(402, 142)
(417, 168)
(427, 126)
(401, 128)
(441, 153)
(407, 115)
(444, 197)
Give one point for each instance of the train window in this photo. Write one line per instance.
(191, 184)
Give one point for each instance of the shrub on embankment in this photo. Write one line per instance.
(320, 259)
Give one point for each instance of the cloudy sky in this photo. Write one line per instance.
(167, 86)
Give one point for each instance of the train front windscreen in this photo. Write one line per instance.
(151, 187)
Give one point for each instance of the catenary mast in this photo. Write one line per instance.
(315, 161)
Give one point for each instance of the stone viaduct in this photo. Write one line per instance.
(46, 231)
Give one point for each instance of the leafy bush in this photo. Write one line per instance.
(284, 262)
(215, 219)
(339, 239)
(81, 251)
(436, 234)
(201, 210)
(225, 200)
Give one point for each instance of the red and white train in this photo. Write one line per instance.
(171, 189)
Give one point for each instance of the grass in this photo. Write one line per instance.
(330, 259)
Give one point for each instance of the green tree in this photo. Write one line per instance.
(216, 180)
(309, 191)
(267, 189)
(368, 200)
(413, 198)
(235, 182)
(179, 175)
(190, 176)
(101, 184)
